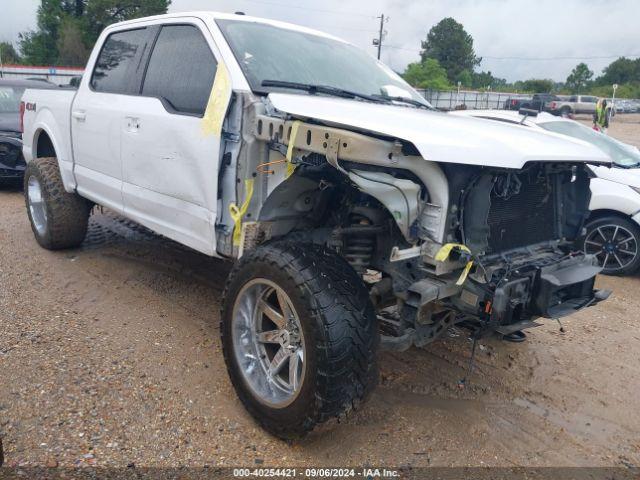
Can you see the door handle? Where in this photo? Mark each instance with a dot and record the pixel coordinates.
(79, 115)
(133, 124)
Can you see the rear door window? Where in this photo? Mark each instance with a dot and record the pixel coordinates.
(117, 61)
(181, 70)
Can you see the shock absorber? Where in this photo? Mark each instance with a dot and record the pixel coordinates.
(359, 242)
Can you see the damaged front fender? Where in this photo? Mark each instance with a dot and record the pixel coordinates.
(339, 145)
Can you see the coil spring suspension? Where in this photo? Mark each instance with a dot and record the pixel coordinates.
(359, 246)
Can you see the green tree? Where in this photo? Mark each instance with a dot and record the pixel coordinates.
(483, 80)
(465, 77)
(8, 53)
(537, 85)
(102, 13)
(36, 48)
(68, 29)
(40, 47)
(579, 78)
(71, 47)
(625, 90)
(622, 70)
(427, 74)
(451, 46)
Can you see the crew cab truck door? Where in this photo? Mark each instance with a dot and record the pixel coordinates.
(169, 162)
(96, 114)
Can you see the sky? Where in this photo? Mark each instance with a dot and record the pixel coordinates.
(518, 39)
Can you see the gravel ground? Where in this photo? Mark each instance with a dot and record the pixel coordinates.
(110, 356)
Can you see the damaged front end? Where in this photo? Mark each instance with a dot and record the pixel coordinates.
(514, 230)
(437, 243)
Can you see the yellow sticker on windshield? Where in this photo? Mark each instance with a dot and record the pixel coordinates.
(218, 102)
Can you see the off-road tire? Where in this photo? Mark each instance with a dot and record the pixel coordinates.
(626, 224)
(340, 330)
(67, 213)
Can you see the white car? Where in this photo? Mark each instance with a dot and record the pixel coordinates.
(356, 215)
(613, 228)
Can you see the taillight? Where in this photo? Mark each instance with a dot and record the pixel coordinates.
(553, 105)
(514, 102)
(22, 117)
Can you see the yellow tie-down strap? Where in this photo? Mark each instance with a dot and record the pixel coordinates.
(292, 142)
(443, 256)
(238, 213)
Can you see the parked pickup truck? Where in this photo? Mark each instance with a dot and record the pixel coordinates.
(356, 215)
(539, 102)
(11, 163)
(575, 104)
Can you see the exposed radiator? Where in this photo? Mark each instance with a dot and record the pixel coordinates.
(522, 218)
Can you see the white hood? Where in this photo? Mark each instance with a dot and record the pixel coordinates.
(625, 176)
(441, 137)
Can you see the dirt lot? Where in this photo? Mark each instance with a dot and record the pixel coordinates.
(109, 355)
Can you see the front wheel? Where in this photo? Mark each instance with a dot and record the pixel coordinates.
(566, 112)
(299, 336)
(614, 241)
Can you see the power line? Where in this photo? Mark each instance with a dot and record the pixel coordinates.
(380, 35)
(341, 27)
(382, 18)
(559, 58)
(402, 48)
(596, 57)
(336, 12)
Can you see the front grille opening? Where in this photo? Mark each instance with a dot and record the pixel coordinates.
(525, 217)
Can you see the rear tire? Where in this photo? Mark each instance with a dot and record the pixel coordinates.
(59, 219)
(615, 240)
(566, 112)
(330, 324)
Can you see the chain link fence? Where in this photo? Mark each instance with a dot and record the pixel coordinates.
(57, 75)
(475, 100)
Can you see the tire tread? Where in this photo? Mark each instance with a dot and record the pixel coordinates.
(67, 213)
(347, 343)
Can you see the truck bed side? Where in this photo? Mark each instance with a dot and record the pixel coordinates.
(47, 129)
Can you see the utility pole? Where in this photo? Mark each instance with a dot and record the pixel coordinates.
(378, 41)
(380, 35)
(613, 101)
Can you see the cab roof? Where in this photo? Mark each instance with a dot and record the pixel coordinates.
(212, 15)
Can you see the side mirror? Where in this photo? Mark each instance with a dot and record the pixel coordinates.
(528, 112)
(395, 91)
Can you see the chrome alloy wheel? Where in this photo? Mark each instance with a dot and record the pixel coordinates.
(37, 206)
(268, 342)
(614, 246)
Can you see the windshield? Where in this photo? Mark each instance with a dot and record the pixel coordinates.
(621, 154)
(10, 99)
(266, 52)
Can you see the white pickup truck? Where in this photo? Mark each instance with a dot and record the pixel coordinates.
(573, 105)
(359, 217)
